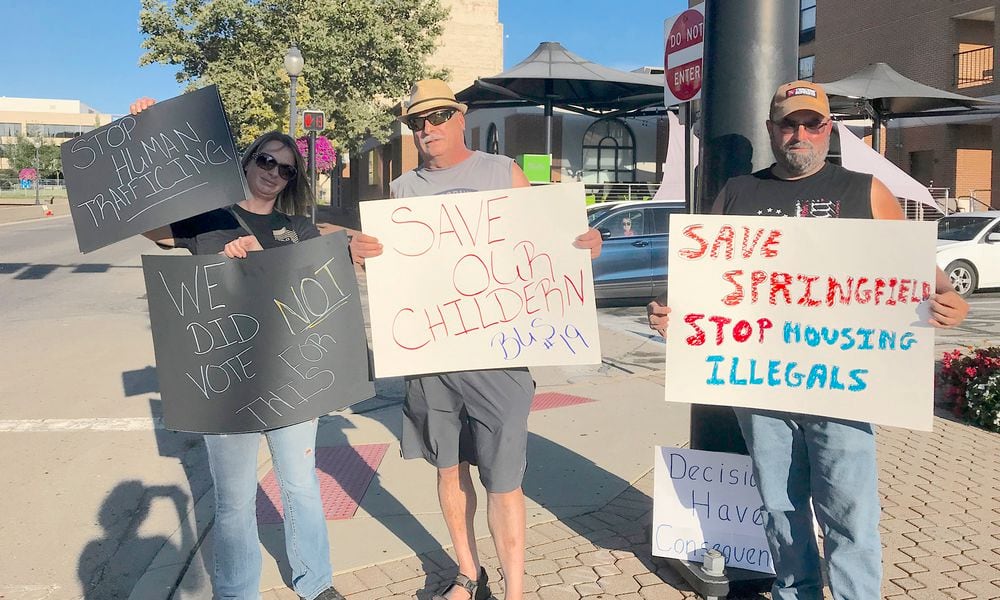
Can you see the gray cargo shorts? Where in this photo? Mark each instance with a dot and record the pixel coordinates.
(479, 417)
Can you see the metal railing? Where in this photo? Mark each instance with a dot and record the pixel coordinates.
(616, 192)
(974, 67)
(982, 199)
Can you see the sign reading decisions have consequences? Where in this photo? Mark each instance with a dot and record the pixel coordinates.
(252, 344)
(173, 160)
(481, 280)
(708, 500)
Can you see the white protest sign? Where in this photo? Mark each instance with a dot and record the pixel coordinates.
(704, 500)
(818, 316)
(481, 280)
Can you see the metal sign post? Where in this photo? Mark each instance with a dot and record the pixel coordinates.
(313, 121)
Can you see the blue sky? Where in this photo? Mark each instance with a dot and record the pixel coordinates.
(90, 50)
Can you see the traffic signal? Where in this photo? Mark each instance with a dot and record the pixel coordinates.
(313, 120)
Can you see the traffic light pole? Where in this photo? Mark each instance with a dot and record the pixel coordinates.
(312, 172)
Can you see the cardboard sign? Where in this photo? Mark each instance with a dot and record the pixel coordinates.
(252, 344)
(704, 500)
(481, 280)
(818, 316)
(173, 160)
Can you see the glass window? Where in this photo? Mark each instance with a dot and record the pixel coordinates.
(373, 177)
(492, 139)
(961, 229)
(608, 152)
(807, 15)
(56, 131)
(807, 66)
(626, 223)
(658, 220)
(10, 129)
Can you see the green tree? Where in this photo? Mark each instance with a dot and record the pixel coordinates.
(21, 155)
(360, 55)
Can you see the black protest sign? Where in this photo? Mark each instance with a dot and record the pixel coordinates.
(173, 160)
(252, 344)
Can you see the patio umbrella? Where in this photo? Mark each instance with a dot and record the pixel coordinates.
(553, 76)
(879, 92)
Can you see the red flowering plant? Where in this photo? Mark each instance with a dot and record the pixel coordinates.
(970, 381)
(326, 156)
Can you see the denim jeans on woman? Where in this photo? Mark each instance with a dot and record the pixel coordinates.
(832, 462)
(233, 460)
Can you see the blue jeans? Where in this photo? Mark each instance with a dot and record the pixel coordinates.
(233, 460)
(797, 457)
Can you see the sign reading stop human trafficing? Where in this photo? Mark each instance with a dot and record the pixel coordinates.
(683, 50)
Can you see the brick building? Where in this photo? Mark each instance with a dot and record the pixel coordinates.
(945, 44)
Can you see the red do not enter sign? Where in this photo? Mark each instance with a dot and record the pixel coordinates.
(682, 56)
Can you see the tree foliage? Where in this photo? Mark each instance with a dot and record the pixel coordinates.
(360, 55)
(21, 155)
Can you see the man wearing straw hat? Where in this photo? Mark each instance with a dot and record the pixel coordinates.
(454, 420)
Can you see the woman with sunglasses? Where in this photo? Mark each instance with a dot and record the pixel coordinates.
(272, 215)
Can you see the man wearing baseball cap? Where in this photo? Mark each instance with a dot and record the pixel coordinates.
(804, 462)
(454, 420)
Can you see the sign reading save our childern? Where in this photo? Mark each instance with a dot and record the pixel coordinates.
(173, 160)
(818, 316)
(481, 280)
(253, 344)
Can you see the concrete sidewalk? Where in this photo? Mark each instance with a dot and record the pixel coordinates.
(589, 490)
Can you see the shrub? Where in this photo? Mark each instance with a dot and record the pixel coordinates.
(971, 382)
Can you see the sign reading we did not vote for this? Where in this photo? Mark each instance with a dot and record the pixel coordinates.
(481, 280)
(274, 339)
(818, 316)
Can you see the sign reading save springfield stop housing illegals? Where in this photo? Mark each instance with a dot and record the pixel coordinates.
(818, 316)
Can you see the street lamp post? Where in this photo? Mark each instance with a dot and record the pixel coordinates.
(293, 66)
(38, 171)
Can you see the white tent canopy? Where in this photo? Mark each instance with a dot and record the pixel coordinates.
(854, 155)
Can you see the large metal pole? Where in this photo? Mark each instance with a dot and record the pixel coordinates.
(291, 106)
(750, 49)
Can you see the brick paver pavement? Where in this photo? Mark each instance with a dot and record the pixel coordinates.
(940, 528)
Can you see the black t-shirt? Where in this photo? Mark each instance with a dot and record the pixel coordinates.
(208, 233)
(831, 192)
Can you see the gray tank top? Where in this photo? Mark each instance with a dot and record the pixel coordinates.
(479, 172)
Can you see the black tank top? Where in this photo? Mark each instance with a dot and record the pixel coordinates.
(831, 192)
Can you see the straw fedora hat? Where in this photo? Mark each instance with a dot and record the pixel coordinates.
(428, 94)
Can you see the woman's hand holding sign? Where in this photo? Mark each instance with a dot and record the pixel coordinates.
(239, 247)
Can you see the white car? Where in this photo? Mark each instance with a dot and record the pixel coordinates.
(968, 250)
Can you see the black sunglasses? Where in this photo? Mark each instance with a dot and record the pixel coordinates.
(268, 163)
(789, 126)
(438, 117)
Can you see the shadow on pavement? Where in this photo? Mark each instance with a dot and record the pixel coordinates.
(110, 566)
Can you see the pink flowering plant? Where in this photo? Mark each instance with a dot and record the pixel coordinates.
(326, 156)
(971, 383)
